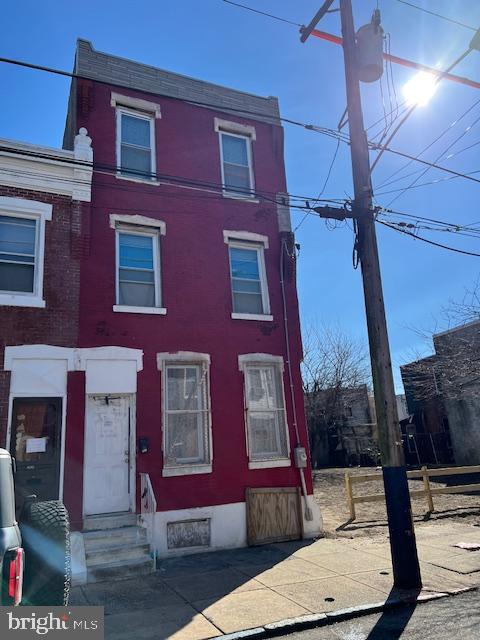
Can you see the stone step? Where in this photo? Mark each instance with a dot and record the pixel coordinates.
(109, 521)
(122, 553)
(104, 538)
(119, 570)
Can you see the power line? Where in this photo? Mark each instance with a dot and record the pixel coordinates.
(439, 137)
(414, 182)
(327, 178)
(438, 15)
(435, 244)
(167, 179)
(414, 106)
(263, 13)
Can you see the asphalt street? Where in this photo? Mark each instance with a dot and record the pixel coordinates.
(455, 617)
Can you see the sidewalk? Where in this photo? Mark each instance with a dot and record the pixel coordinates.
(212, 594)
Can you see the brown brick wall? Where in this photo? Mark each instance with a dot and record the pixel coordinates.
(57, 323)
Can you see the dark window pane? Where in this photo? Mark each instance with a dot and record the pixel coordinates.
(136, 295)
(17, 235)
(247, 303)
(136, 251)
(246, 286)
(16, 277)
(136, 161)
(135, 131)
(136, 275)
(236, 177)
(244, 263)
(234, 150)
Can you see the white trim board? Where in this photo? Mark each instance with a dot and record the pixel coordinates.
(44, 168)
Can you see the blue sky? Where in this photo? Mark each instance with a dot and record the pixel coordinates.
(220, 43)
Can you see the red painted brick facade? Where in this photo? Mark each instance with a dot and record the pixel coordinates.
(195, 287)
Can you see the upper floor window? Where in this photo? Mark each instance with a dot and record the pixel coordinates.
(236, 158)
(22, 239)
(135, 144)
(248, 278)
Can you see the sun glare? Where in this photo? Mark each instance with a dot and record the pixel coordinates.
(420, 89)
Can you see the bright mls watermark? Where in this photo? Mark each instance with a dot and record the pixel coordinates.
(25, 623)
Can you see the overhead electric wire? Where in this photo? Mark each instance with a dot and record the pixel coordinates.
(327, 178)
(439, 137)
(414, 106)
(436, 244)
(438, 15)
(263, 13)
(425, 171)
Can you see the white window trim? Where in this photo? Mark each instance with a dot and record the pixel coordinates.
(117, 219)
(264, 359)
(137, 104)
(247, 133)
(153, 159)
(155, 235)
(40, 212)
(186, 357)
(243, 240)
(245, 236)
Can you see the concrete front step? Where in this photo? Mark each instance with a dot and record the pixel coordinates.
(119, 570)
(114, 537)
(122, 553)
(109, 521)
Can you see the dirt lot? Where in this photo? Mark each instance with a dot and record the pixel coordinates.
(329, 489)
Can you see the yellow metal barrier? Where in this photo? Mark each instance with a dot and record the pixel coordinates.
(428, 492)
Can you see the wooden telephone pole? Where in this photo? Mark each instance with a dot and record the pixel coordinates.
(406, 569)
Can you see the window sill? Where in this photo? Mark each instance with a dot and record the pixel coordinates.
(239, 196)
(159, 311)
(269, 464)
(252, 316)
(15, 300)
(187, 470)
(121, 176)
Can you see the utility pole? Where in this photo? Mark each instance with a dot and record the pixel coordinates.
(406, 569)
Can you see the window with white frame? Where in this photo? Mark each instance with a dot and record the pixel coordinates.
(248, 278)
(237, 170)
(138, 268)
(18, 241)
(135, 144)
(267, 433)
(22, 240)
(187, 419)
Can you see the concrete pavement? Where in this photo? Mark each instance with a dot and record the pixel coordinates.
(212, 594)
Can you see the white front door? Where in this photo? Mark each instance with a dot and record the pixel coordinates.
(106, 477)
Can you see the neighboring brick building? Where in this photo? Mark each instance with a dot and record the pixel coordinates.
(44, 196)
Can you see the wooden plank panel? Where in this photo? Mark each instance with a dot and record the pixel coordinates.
(273, 515)
(465, 488)
(453, 471)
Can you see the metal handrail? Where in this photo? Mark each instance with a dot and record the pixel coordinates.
(148, 510)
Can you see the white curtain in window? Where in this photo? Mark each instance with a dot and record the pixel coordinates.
(265, 413)
(186, 415)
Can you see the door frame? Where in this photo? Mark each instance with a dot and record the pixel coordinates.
(132, 397)
(63, 398)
